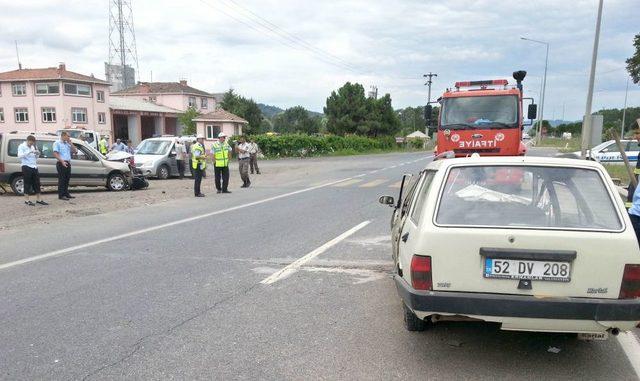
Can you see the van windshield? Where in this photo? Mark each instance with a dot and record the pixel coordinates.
(154, 147)
(527, 196)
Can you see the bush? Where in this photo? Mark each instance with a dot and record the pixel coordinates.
(296, 145)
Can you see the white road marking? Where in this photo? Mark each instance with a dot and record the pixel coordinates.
(629, 343)
(294, 266)
(373, 183)
(161, 226)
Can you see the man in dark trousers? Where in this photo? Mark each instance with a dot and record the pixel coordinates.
(198, 164)
(62, 150)
(221, 151)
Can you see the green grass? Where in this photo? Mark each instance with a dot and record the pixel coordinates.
(570, 145)
(619, 172)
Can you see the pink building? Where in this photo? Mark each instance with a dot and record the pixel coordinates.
(45, 100)
(211, 124)
(175, 95)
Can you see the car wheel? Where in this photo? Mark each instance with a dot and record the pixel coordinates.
(116, 182)
(163, 172)
(17, 185)
(411, 321)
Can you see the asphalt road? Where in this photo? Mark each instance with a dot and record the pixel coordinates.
(176, 291)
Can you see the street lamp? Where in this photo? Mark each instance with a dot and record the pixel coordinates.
(544, 85)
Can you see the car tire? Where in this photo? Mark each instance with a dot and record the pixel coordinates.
(163, 172)
(117, 182)
(17, 185)
(411, 322)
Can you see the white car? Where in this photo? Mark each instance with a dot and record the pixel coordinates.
(609, 153)
(532, 243)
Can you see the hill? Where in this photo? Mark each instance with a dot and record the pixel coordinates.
(270, 111)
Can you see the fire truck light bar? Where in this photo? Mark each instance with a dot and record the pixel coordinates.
(500, 82)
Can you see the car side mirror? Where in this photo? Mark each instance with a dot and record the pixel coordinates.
(532, 111)
(387, 200)
(173, 154)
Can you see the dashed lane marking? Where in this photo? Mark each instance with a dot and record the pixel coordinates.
(347, 183)
(396, 185)
(294, 266)
(373, 183)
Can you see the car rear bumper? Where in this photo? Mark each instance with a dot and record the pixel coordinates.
(518, 306)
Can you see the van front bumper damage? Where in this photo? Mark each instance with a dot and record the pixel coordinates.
(509, 309)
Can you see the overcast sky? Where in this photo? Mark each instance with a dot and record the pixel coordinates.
(315, 46)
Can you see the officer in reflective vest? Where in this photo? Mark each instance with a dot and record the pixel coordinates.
(198, 164)
(221, 151)
(103, 145)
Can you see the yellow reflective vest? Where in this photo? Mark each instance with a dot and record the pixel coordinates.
(103, 146)
(221, 153)
(200, 159)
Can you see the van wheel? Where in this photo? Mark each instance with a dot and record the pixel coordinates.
(116, 182)
(17, 185)
(163, 172)
(411, 321)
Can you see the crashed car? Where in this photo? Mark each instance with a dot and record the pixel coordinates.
(530, 243)
(138, 179)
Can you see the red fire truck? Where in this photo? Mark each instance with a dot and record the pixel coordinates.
(484, 117)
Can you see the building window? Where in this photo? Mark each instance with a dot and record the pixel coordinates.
(192, 101)
(79, 115)
(204, 103)
(213, 131)
(1, 115)
(48, 115)
(22, 115)
(77, 89)
(102, 118)
(47, 88)
(19, 89)
(236, 129)
(100, 95)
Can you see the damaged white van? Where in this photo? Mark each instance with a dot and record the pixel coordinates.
(535, 244)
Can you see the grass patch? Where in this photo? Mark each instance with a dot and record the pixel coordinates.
(570, 145)
(618, 171)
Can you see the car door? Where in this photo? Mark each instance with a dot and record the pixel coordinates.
(402, 213)
(633, 148)
(47, 162)
(609, 154)
(86, 168)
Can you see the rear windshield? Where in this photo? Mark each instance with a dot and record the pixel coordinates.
(527, 196)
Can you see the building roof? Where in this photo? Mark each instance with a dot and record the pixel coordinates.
(132, 104)
(49, 73)
(162, 88)
(220, 115)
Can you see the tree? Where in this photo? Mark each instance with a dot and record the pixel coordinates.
(382, 120)
(633, 62)
(346, 110)
(186, 119)
(296, 120)
(245, 108)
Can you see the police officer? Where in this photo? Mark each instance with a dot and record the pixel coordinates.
(221, 151)
(198, 164)
(62, 151)
(103, 145)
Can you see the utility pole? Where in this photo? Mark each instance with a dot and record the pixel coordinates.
(20, 65)
(429, 82)
(586, 126)
(624, 111)
(543, 88)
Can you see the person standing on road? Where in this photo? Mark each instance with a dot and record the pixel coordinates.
(62, 150)
(221, 151)
(253, 159)
(244, 155)
(181, 153)
(199, 164)
(631, 189)
(103, 145)
(28, 154)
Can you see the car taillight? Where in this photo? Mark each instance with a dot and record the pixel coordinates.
(421, 273)
(630, 287)
(1, 167)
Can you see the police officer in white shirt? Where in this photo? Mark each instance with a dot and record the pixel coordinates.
(244, 155)
(28, 154)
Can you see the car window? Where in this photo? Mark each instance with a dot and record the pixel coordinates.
(82, 154)
(633, 146)
(613, 147)
(527, 196)
(44, 146)
(406, 202)
(422, 195)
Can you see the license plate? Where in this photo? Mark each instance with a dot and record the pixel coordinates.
(600, 336)
(525, 269)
